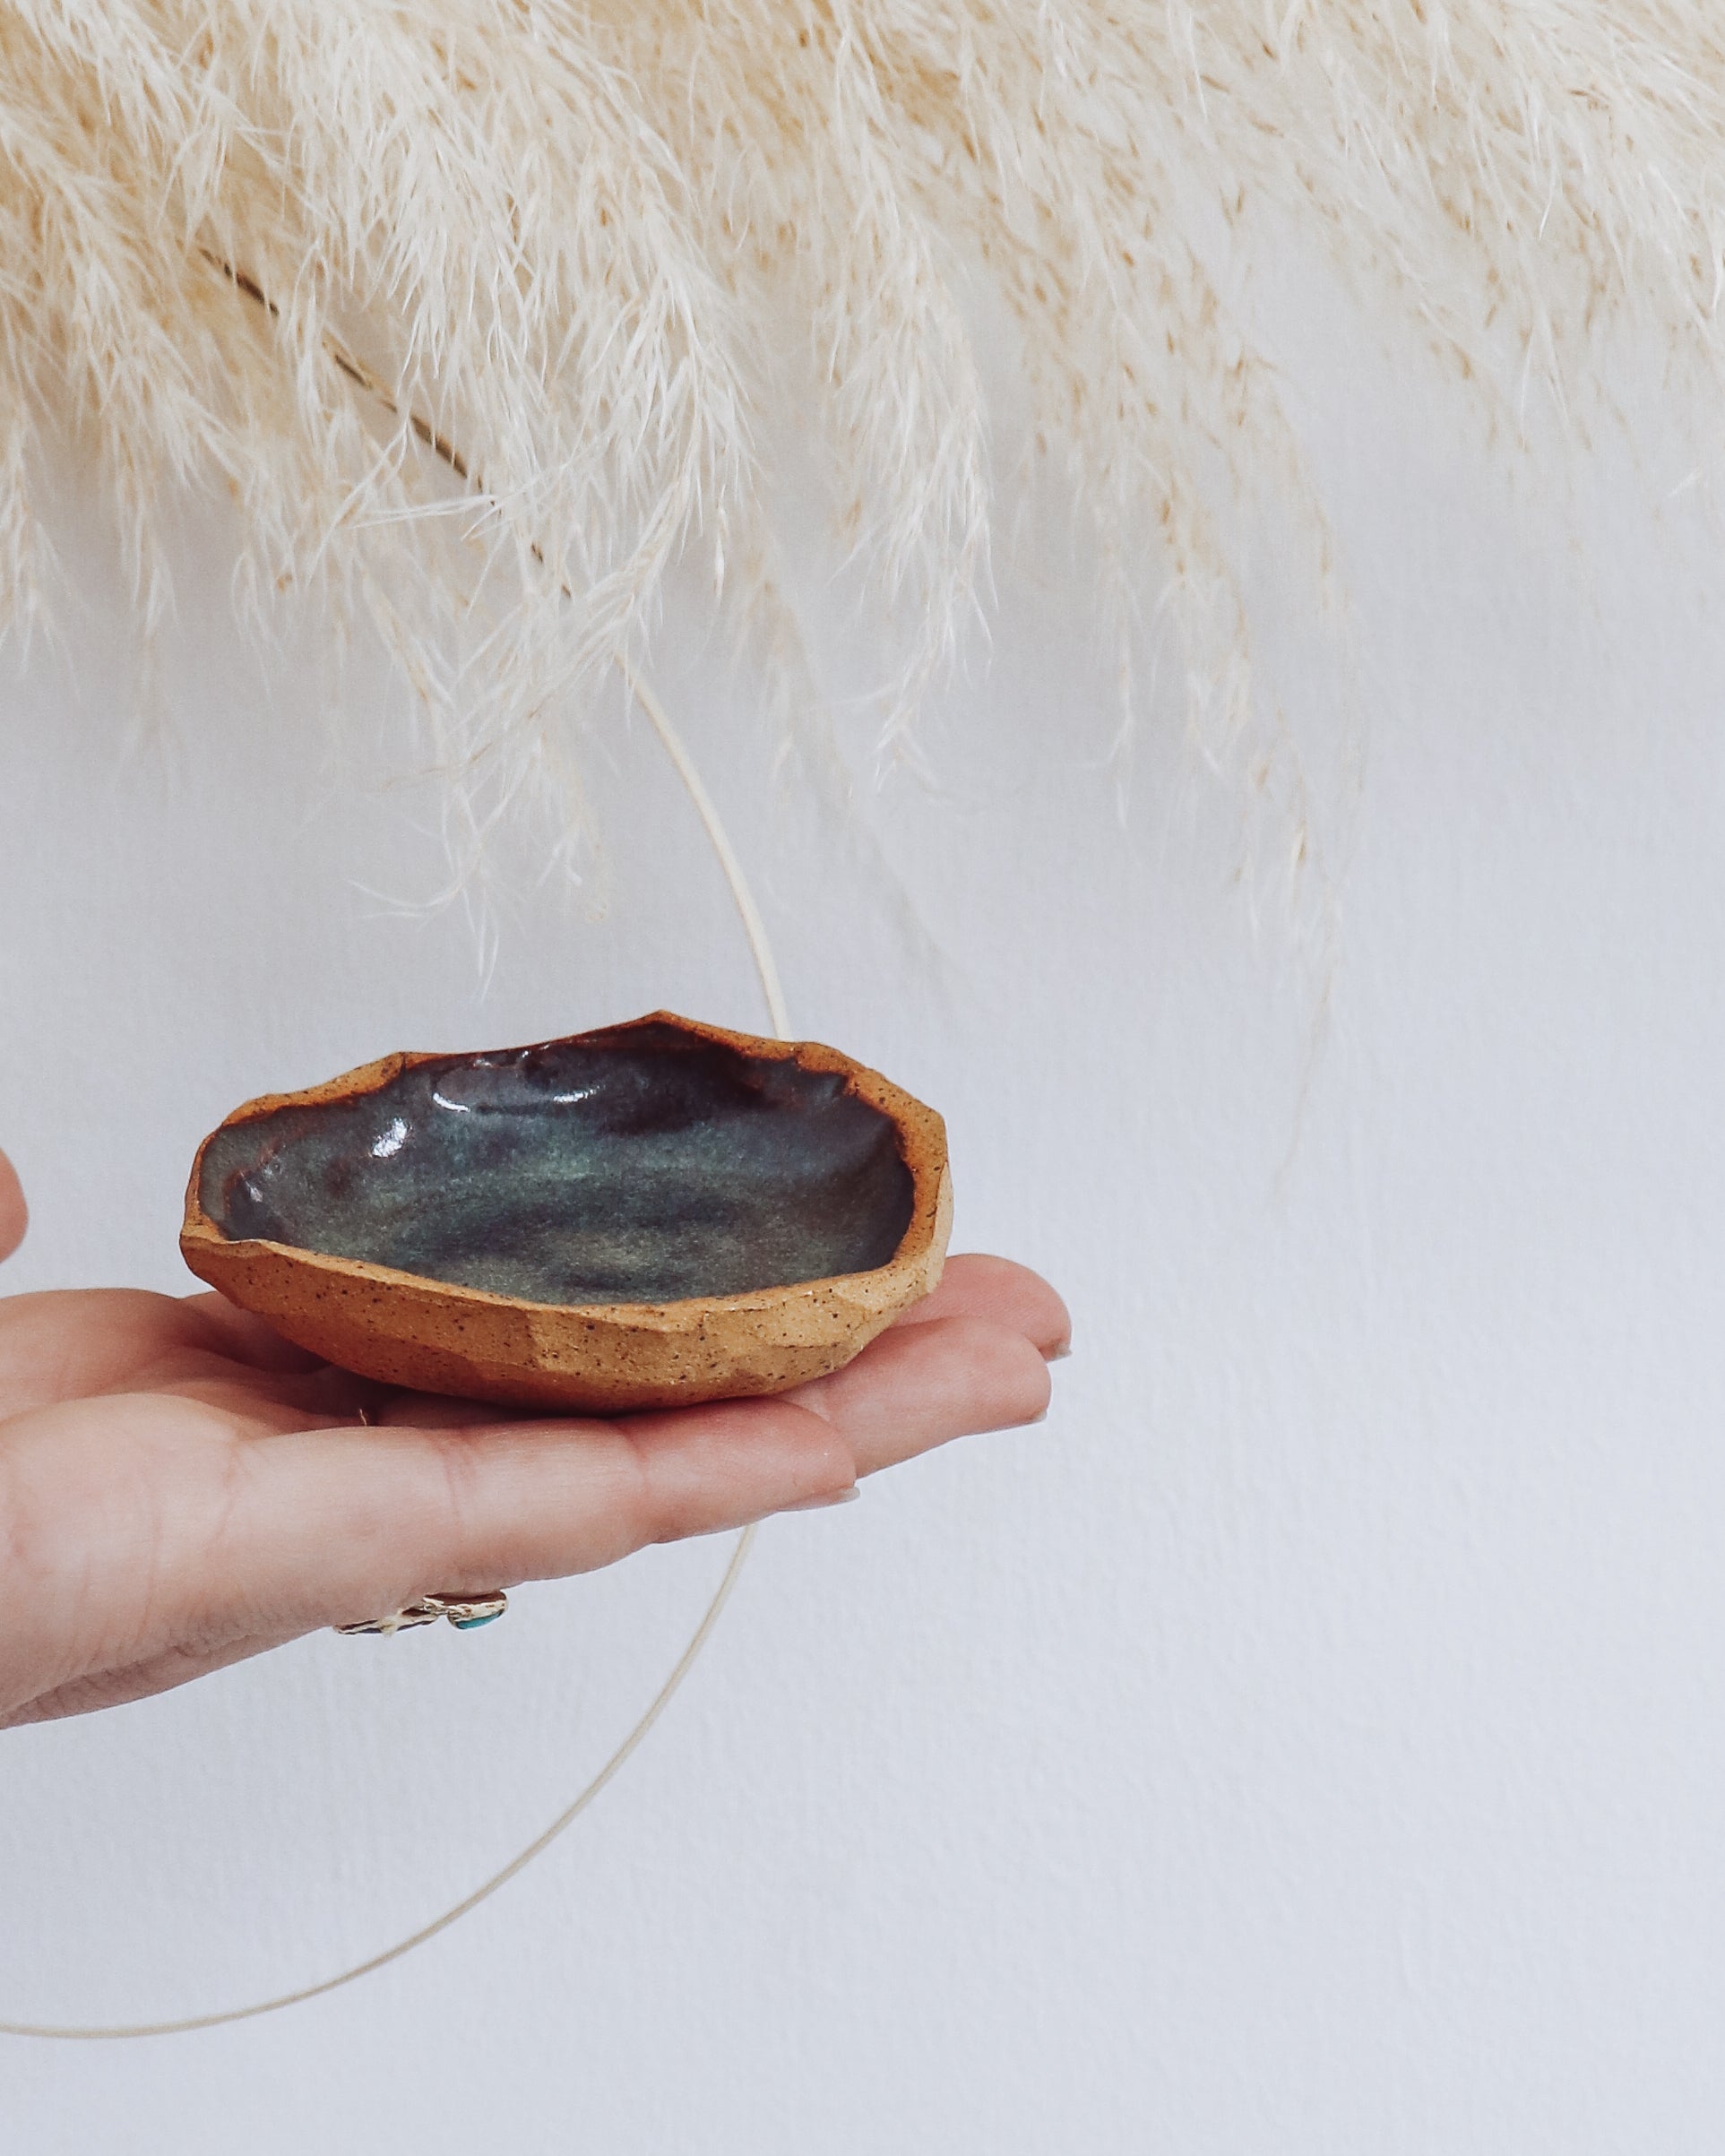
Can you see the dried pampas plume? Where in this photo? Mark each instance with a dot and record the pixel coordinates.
(485, 310)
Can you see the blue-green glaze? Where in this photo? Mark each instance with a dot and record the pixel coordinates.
(646, 1165)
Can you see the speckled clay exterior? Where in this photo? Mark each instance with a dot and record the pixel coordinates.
(402, 1328)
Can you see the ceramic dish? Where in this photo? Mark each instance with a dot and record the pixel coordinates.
(646, 1216)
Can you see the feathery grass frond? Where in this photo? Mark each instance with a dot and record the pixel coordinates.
(598, 249)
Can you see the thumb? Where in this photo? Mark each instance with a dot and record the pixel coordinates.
(15, 1214)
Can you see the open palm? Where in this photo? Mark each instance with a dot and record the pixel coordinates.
(180, 1489)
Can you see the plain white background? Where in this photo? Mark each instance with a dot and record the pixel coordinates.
(1313, 1737)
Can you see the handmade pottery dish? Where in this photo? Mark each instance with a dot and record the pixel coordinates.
(646, 1216)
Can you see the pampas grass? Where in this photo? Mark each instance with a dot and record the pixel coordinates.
(487, 312)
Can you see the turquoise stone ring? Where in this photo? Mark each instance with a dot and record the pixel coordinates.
(466, 1613)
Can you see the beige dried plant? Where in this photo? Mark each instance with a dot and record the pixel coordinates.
(593, 254)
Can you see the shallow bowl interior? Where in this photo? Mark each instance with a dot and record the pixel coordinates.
(645, 1167)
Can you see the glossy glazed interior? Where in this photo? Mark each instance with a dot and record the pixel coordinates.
(644, 1166)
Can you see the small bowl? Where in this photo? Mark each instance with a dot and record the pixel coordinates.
(646, 1216)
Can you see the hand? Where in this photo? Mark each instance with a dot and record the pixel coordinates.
(180, 1489)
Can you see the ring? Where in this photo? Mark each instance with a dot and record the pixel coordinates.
(466, 1613)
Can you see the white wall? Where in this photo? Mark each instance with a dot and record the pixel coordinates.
(1312, 1738)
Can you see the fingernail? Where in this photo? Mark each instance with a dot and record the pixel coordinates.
(819, 1505)
(1060, 1354)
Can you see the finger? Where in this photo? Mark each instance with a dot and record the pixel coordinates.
(15, 1214)
(1005, 1294)
(918, 1386)
(337, 1526)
